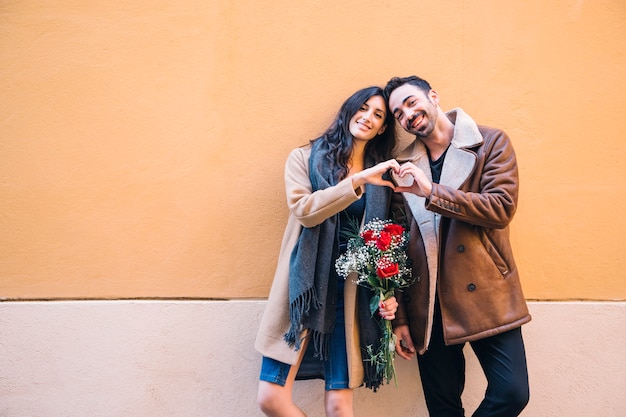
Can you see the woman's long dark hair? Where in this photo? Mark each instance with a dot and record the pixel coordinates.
(341, 141)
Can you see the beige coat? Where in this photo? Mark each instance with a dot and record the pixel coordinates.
(306, 209)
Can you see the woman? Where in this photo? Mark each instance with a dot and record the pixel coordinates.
(311, 313)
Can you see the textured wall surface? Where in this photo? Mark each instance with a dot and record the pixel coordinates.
(143, 143)
(186, 359)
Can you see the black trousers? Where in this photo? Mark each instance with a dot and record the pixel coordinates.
(503, 360)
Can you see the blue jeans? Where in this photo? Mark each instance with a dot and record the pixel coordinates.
(334, 370)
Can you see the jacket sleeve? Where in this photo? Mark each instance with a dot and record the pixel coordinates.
(492, 201)
(308, 207)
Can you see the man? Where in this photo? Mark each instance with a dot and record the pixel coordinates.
(460, 185)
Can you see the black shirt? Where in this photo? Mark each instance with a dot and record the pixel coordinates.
(436, 166)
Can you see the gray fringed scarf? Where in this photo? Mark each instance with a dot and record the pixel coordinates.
(310, 290)
(312, 287)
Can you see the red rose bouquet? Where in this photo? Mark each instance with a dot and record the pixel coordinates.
(378, 256)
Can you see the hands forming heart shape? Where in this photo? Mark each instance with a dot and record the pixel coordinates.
(405, 178)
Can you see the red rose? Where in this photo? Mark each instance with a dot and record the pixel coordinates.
(384, 240)
(368, 236)
(387, 270)
(394, 229)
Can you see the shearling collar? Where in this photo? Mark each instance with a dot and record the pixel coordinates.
(466, 132)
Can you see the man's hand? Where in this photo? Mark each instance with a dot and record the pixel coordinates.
(404, 347)
(421, 185)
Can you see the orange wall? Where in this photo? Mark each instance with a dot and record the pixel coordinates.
(142, 143)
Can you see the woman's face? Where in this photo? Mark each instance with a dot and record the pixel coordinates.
(369, 121)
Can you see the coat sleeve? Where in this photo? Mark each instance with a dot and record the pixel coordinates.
(308, 207)
(491, 201)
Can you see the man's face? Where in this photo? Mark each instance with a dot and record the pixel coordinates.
(414, 110)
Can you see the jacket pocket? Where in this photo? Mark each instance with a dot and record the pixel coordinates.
(493, 252)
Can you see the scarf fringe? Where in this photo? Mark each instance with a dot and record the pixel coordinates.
(371, 379)
(297, 309)
(321, 345)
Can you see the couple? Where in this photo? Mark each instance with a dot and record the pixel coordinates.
(457, 194)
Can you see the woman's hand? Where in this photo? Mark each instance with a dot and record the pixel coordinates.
(420, 186)
(387, 309)
(374, 175)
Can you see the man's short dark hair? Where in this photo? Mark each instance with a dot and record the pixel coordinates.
(396, 82)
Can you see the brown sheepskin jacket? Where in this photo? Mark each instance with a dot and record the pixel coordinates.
(459, 239)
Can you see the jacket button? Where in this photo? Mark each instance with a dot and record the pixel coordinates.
(471, 287)
(460, 248)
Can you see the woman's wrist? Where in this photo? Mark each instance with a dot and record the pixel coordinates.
(357, 181)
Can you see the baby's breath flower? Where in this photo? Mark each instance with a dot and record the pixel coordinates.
(377, 254)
